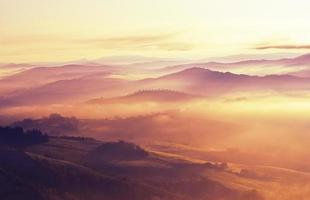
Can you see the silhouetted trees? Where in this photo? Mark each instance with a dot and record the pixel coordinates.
(119, 150)
(17, 137)
(55, 125)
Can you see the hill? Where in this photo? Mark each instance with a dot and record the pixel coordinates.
(190, 84)
(207, 82)
(83, 168)
(80, 168)
(148, 96)
(253, 66)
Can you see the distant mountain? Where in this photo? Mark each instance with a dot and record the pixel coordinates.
(196, 81)
(290, 64)
(76, 83)
(302, 73)
(301, 60)
(66, 91)
(39, 76)
(207, 82)
(148, 96)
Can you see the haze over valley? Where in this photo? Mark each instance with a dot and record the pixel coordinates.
(154, 100)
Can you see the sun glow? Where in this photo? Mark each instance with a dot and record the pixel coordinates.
(42, 30)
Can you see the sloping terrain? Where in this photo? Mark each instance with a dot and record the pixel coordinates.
(80, 168)
(74, 84)
(207, 82)
(160, 96)
(250, 66)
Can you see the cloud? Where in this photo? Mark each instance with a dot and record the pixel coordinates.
(283, 47)
(163, 41)
(134, 39)
(166, 42)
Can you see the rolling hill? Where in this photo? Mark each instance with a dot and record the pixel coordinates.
(294, 64)
(84, 168)
(160, 96)
(73, 84)
(39, 76)
(204, 81)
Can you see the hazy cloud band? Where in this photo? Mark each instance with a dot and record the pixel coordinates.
(283, 47)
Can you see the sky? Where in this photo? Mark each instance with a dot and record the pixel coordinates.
(61, 30)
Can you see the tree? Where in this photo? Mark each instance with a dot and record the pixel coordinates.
(17, 137)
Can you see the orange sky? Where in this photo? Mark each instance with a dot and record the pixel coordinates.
(57, 30)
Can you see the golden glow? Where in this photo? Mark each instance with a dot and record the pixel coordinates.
(49, 30)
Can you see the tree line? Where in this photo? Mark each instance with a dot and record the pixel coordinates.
(18, 137)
